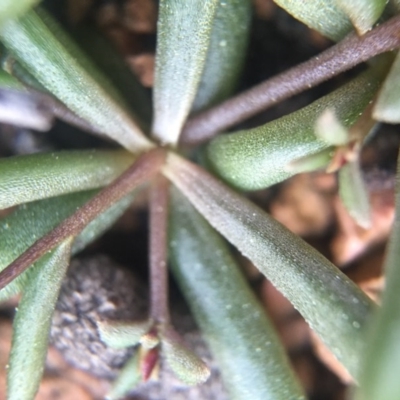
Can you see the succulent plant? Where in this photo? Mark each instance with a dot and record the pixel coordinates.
(65, 200)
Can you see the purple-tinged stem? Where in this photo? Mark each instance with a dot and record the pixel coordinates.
(159, 311)
(341, 57)
(144, 168)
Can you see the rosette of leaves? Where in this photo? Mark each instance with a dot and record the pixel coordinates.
(66, 199)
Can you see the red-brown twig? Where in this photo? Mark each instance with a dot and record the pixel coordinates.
(343, 56)
(159, 311)
(145, 167)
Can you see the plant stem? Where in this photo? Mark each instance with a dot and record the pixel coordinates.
(341, 57)
(159, 311)
(141, 170)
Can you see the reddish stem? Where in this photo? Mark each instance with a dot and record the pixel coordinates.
(346, 54)
(158, 250)
(146, 166)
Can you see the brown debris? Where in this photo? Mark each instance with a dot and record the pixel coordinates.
(143, 67)
(140, 16)
(351, 241)
(330, 360)
(303, 205)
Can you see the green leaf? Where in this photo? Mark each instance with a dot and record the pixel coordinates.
(311, 163)
(101, 223)
(363, 13)
(226, 53)
(112, 64)
(252, 362)
(46, 51)
(379, 378)
(257, 158)
(11, 9)
(322, 15)
(23, 109)
(19, 230)
(33, 177)
(335, 308)
(128, 378)
(187, 367)
(119, 334)
(330, 130)
(7, 81)
(32, 324)
(184, 33)
(354, 194)
(387, 107)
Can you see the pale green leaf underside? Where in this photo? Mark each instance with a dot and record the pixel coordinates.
(23, 109)
(354, 194)
(226, 53)
(330, 130)
(258, 158)
(33, 177)
(387, 107)
(311, 163)
(118, 335)
(362, 13)
(7, 81)
(335, 308)
(186, 365)
(128, 378)
(322, 15)
(14, 8)
(46, 51)
(32, 324)
(251, 359)
(28, 223)
(20, 107)
(379, 378)
(184, 32)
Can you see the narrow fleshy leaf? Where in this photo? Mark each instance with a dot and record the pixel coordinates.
(7, 81)
(23, 109)
(46, 51)
(37, 176)
(109, 60)
(324, 16)
(311, 163)
(11, 9)
(119, 334)
(329, 129)
(225, 55)
(19, 230)
(32, 324)
(128, 378)
(387, 106)
(354, 194)
(379, 377)
(144, 168)
(188, 367)
(184, 33)
(362, 13)
(243, 341)
(257, 158)
(101, 223)
(335, 308)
